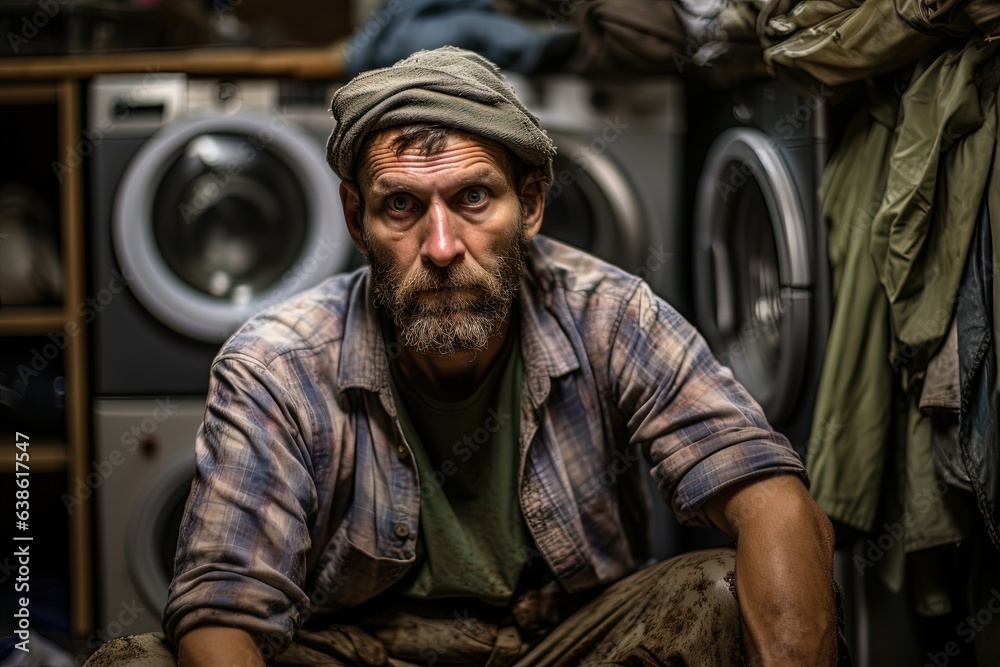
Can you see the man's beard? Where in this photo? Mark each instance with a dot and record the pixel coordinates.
(460, 321)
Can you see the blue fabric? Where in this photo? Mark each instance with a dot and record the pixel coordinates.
(402, 27)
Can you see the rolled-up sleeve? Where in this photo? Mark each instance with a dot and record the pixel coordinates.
(703, 431)
(242, 548)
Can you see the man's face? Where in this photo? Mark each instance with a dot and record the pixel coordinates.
(444, 239)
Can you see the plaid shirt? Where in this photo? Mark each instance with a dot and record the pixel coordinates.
(307, 489)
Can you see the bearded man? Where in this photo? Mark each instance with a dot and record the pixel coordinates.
(410, 464)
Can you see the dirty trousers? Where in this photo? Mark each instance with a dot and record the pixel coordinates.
(682, 611)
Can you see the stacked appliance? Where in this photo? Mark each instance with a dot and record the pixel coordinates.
(212, 200)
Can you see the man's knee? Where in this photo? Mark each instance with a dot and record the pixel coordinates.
(148, 650)
(711, 572)
(701, 585)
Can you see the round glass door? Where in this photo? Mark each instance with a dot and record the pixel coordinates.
(151, 539)
(230, 235)
(752, 274)
(217, 218)
(591, 205)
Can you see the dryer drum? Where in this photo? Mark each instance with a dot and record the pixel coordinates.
(213, 213)
(752, 272)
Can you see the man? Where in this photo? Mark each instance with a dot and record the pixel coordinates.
(409, 464)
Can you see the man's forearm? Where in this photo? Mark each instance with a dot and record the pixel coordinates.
(213, 645)
(784, 571)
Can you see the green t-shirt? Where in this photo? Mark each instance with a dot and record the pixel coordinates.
(472, 539)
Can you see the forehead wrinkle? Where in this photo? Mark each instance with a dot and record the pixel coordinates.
(457, 148)
(391, 183)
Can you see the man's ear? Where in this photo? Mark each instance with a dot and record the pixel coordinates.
(533, 202)
(350, 199)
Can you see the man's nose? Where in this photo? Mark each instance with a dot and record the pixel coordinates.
(442, 245)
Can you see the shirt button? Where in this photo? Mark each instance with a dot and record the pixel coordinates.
(402, 530)
(403, 454)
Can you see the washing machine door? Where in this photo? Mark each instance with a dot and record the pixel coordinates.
(592, 206)
(219, 217)
(151, 537)
(753, 279)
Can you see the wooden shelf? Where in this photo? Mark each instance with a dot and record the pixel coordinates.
(326, 62)
(31, 320)
(28, 94)
(45, 457)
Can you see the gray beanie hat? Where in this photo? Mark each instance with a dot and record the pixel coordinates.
(447, 86)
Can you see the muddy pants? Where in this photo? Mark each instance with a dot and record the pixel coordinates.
(682, 611)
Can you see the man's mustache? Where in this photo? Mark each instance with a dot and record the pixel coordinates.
(431, 281)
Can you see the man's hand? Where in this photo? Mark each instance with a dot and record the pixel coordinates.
(215, 645)
(784, 570)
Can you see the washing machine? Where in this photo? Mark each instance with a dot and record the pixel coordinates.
(761, 271)
(617, 188)
(211, 200)
(144, 448)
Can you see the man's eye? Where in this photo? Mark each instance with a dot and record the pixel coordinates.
(475, 196)
(399, 203)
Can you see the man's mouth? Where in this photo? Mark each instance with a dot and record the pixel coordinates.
(444, 292)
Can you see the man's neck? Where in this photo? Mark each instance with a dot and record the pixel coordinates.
(455, 376)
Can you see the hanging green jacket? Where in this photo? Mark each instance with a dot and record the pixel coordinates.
(901, 196)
